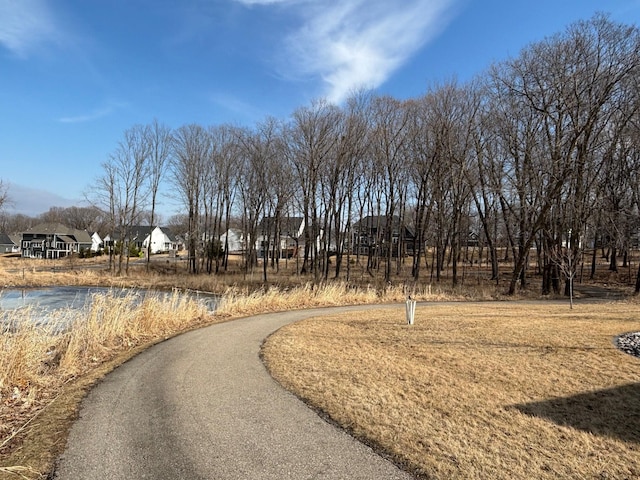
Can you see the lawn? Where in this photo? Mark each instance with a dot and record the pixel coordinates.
(476, 390)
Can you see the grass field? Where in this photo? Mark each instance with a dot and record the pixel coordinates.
(482, 390)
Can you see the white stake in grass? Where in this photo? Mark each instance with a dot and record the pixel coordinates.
(411, 310)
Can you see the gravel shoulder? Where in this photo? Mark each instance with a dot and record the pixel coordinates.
(203, 406)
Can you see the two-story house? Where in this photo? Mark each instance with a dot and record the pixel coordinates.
(53, 240)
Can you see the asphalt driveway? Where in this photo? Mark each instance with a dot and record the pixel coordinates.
(203, 406)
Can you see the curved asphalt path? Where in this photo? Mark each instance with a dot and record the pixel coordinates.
(202, 406)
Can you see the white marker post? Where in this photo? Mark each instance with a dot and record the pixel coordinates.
(411, 310)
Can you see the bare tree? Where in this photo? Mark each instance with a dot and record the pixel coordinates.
(120, 188)
(228, 170)
(341, 184)
(312, 140)
(15, 223)
(159, 140)
(567, 257)
(390, 121)
(259, 189)
(553, 103)
(484, 175)
(190, 153)
(4, 194)
(89, 218)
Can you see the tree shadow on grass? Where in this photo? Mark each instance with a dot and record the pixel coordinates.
(613, 412)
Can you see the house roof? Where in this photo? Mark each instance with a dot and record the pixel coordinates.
(49, 227)
(371, 221)
(6, 239)
(288, 225)
(141, 232)
(380, 221)
(80, 236)
(170, 235)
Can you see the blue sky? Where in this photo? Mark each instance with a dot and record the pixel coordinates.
(75, 74)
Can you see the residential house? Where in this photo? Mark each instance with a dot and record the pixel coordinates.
(370, 235)
(53, 240)
(96, 242)
(286, 241)
(9, 244)
(235, 238)
(161, 238)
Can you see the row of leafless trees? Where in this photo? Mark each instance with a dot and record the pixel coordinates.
(537, 158)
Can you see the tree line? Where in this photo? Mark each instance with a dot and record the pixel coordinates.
(536, 158)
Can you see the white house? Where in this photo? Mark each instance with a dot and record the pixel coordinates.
(162, 240)
(289, 242)
(96, 242)
(236, 240)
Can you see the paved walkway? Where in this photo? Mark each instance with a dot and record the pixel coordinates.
(202, 406)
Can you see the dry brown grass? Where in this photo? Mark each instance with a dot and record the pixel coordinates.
(243, 301)
(37, 362)
(482, 391)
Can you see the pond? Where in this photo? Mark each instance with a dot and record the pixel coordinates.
(43, 301)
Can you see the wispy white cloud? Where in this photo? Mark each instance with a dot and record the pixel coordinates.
(27, 24)
(94, 114)
(358, 43)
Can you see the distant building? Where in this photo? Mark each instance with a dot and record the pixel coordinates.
(235, 239)
(9, 244)
(286, 242)
(96, 242)
(370, 234)
(161, 238)
(53, 240)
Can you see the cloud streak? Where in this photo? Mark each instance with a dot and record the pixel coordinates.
(357, 43)
(25, 25)
(93, 115)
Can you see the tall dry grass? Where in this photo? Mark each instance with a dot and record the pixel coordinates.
(242, 301)
(36, 360)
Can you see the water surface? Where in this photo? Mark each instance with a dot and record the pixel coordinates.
(42, 302)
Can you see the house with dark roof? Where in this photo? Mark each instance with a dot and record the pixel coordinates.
(371, 234)
(9, 244)
(53, 240)
(283, 236)
(161, 238)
